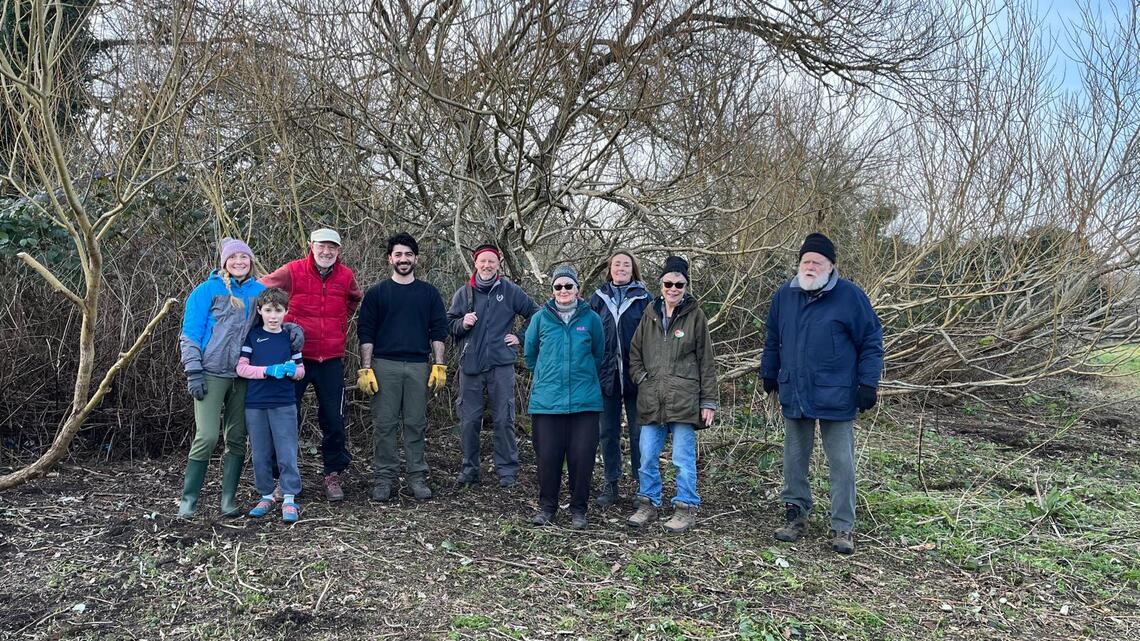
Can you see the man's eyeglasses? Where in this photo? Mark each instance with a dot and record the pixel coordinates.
(668, 284)
(564, 286)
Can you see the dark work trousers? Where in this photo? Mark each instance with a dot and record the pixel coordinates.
(327, 378)
(402, 399)
(609, 429)
(569, 438)
(499, 383)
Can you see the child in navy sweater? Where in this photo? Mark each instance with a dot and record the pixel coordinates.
(271, 364)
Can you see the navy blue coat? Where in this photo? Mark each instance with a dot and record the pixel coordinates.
(821, 346)
(623, 322)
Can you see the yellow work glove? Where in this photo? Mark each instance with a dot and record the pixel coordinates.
(366, 381)
(438, 378)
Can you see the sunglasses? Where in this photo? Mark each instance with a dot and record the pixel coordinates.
(668, 284)
(564, 286)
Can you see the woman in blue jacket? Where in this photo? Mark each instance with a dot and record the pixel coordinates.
(214, 325)
(565, 348)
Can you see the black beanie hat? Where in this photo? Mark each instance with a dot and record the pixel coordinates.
(819, 244)
(676, 264)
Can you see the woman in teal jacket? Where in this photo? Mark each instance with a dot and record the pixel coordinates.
(565, 348)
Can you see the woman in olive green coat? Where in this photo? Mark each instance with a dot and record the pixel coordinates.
(671, 360)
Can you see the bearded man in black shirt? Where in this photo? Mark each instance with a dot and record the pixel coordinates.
(402, 323)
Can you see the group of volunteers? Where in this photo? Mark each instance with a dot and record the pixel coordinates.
(251, 348)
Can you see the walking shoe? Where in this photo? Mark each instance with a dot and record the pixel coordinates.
(381, 492)
(645, 513)
(507, 481)
(289, 512)
(684, 518)
(420, 489)
(333, 491)
(609, 494)
(578, 521)
(795, 524)
(466, 480)
(543, 518)
(262, 508)
(843, 541)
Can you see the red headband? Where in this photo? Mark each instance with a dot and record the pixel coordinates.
(481, 250)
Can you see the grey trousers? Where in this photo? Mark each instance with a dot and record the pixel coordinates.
(839, 445)
(499, 384)
(273, 435)
(403, 394)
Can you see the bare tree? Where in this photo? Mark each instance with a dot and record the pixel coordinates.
(61, 174)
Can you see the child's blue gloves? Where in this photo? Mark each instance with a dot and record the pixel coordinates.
(281, 370)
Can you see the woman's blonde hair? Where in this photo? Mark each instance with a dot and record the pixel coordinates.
(234, 300)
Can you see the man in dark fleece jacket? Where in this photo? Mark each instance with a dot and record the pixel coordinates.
(400, 319)
(824, 355)
(482, 318)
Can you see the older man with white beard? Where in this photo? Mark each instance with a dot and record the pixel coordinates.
(823, 354)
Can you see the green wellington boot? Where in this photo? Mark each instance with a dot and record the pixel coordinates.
(232, 465)
(192, 487)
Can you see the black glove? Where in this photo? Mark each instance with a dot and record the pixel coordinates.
(866, 397)
(196, 384)
(770, 385)
(296, 336)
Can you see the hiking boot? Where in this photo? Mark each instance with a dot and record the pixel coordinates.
(420, 489)
(795, 524)
(333, 491)
(644, 514)
(543, 518)
(609, 494)
(381, 492)
(684, 518)
(843, 541)
(578, 521)
(507, 481)
(290, 513)
(192, 487)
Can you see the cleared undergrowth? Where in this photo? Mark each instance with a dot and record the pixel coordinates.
(1004, 529)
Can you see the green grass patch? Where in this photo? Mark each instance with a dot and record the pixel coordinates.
(1122, 358)
(471, 622)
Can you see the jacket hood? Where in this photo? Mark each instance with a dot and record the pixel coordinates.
(634, 288)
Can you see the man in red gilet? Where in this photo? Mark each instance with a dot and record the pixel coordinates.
(323, 296)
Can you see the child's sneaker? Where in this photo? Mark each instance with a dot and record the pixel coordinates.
(262, 508)
(290, 512)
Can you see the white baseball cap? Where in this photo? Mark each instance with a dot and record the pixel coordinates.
(325, 235)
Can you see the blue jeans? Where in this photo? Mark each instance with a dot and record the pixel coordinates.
(839, 445)
(609, 435)
(273, 435)
(653, 439)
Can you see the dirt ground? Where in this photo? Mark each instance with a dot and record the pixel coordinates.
(94, 551)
